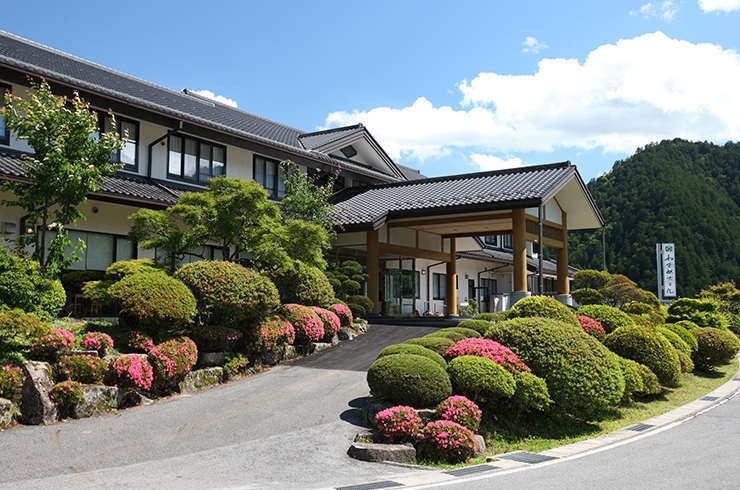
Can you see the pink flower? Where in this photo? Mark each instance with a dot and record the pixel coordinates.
(330, 320)
(592, 327)
(500, 354)
(461, 410)
(344, 314)
(306, 323)
(98, 341)
(133, 371)
(399, 423)
(444, 440)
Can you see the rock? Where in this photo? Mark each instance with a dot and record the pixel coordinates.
(202, 378)
(132, 398)
(36, 406)
(368, 436)
(345, 334)
(8, 412)
(480, 445)
(273, 357)
(375, 407)
(377, 453)
(98, 400)
(211, 359)
(290, 353)
(334, 339)
(318, 346)
(426, 414)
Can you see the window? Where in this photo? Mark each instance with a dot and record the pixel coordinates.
(206, 252)
(101, 249)
(417, 285)
(491, 240)
(4, 131)
(191, 159)
(439, 286)
(129, 155)
(269, 174)
(499, 241)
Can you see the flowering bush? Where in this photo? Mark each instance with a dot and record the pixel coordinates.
(273, 332)
(214, 338)
(171, 361)
(67, 394)
(236, 363)
(461, 410)
(133, 371)
(44, 348)
(98, 341)
(140, 342)
(592, 327)
(307, 325)
(329, 319)
(399, 423)
(11, 379)
(500, 354)
(344, 314)
(446, 441)
(81, 368)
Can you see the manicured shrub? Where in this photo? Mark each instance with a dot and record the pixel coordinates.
(329, 319)
(17, 328)
(82, 368)
(362, 301)
(500, 354)
(99, 341)
(716, 348)
(543, 307)
(171, 361)
(581, 374)
(687, 365)
(444, 333)
(414, 349)
(408, 379)
(344, 314)
(530, 394)
(611, 318)
(132, 371)
(647, 346)
(687, 324)
(399, 423)
(274, 332)
(632, 378)
(492, 316)
(44, 348)
(446, 441)
(304, 284)
(650, 382)
(591, 278)
(469, 333)
(52, 298)
(675, 340)
(703, 312)
(155, 303)
(478, 325)
(66, 395)
(357, 310)
(23, 286)
(592, 327)
(140, 342)
(122, 268)
(685, 335)
(215, 338)
(236, 364)
(307, 325)
(460, 410)
(437, 344)
(228, 294)
(11, 380)
(480, 379)
(587, 296)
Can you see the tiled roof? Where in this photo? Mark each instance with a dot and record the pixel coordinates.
(371, 206)
(311, 141)
(411, 173)
(38, 59)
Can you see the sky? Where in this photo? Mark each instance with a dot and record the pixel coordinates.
(446, 87)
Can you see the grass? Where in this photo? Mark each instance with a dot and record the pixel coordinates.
(542, 434)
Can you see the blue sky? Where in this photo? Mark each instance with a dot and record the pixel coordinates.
(446, 87)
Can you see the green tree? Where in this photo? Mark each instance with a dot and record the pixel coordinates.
(67, 164)
(165, 232)
(306, 199)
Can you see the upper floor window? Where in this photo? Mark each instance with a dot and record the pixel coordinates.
(269, 174)
(499, 241)
(4, 131)
(129, 155)
(196, 160)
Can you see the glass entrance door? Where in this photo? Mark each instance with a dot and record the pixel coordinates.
(399, 288)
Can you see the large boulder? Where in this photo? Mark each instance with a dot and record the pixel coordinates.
(36, 405)
(98, 401)
(377, 453)
(202, 378)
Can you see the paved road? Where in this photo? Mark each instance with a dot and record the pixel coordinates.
(289, 427)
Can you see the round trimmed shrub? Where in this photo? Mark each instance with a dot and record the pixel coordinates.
(22, 285)
(362, 301)
(531, 393)
(304, 284)
(479, 378)
(132, 371)
(437, 344)
(492, 316)
(52, 297)
(687, 324)
(344, 314)
(82, 368)
(587, 296)
(307, 326)
(460, 410)
(274, 332)
(687, 365)
(11, 381)
(329, 319)
(675, 340)
(478, 325)
(500, 354)
(122, 268)
(44, 348)
(685, 335)
(632, 378)
(228, 294)
(416, 350)
(716, 347)
(650, 382)
(171, 361)
(99, 341)
(469, 333)
(408, 379)
(155, 303)
(66, 395)
(17, 328)
(399, 423)
(647, 346)
(543, 307)
(582, 376)
(139, 342)
(215, 338)
(611, 318)
(444, 333)
(446, 441)
(592, 327)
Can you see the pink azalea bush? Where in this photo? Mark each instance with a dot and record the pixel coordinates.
(500, 354)
(592, 327)
(344, 314)
(140, 342)
(82, 368)
(446, 441)
(133, 371)
(273, 332)
(98, 341)
(461, 410)
(399, 423)
(11, 379)
(171, 361)
(329, 319)
(307, 325)
(44, 348)
(66, 394)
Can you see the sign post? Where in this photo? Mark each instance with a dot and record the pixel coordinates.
(666, 258)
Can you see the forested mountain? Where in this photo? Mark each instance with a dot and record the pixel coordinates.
(674, 191)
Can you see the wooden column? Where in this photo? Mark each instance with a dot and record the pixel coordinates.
(520, 250)
(451, 280)
(373, 269)
(561, 255)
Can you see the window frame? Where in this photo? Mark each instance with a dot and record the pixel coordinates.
(5, 133)
(439, 286)
(277, 177)
(116, 155)
(200, 144)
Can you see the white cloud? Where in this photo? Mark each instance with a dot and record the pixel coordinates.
(665, 10)
(218, 98)
(532, 45)
(719, 5)
(492, 162)
(623, 96)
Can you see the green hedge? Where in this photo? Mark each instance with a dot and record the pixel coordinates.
(413, 349)
(303, 284)
(408, 379)
(611, 318)
(685, 335)
(437, 344)
(647, 346)
(544, 307)
(479, 325)
(716, 347)
(480, 379)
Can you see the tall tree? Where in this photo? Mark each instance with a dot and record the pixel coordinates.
(68, 161)
(306, 198)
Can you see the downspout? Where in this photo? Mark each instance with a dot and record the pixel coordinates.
(541, 253)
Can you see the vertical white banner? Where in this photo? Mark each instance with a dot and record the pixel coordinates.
(669, 269)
